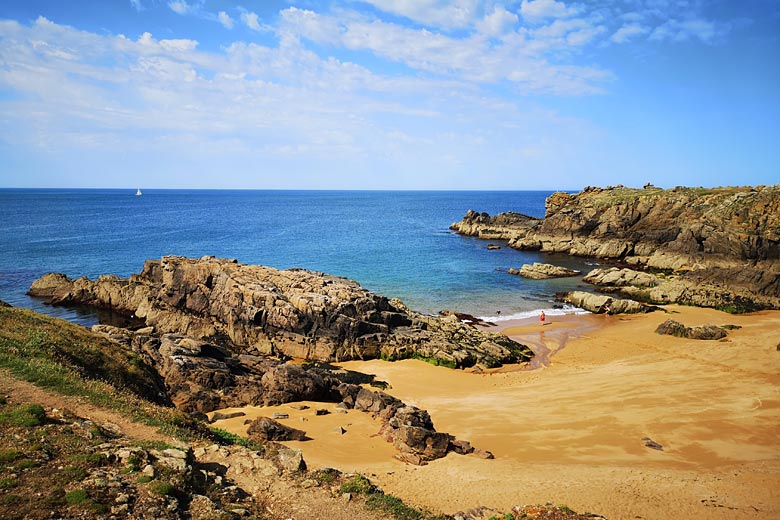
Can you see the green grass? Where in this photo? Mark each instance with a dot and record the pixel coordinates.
(408, 354)
(326, 476)
(379, 501)
(226, 438)
(7, 456)
(161, 488)
(8, 483)
(393, 506)
(77, 496)
(26, 415)
(357, 484)
(69, 360)
(144, 479)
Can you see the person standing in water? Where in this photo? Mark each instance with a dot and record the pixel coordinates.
(542, 317)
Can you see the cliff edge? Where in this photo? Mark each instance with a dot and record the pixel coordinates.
(716, 247)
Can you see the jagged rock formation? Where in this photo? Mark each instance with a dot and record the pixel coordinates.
(408, 428)
(675, 328)
(615, 277)
(601, 304)
(722, 245)
(540, 271)
(691, 289)
(266, 311)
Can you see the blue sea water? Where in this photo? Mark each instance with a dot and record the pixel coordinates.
(393, 242)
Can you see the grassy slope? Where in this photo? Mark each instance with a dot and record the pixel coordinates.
(70, 360)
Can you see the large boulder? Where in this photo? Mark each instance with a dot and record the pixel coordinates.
(601, 304)
(264, 429)
(615, 277)
(289, 383)
(705, 332)
(540, 271)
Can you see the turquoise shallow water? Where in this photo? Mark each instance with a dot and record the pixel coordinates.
(394, 243)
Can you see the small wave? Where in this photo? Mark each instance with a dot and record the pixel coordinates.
(567, 309)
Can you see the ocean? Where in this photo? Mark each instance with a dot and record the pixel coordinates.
(396, 243)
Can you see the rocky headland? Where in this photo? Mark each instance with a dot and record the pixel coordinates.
(715, 247)
(262, 311)
(220, 333)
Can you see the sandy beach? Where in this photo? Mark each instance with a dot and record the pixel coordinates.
(570, 431)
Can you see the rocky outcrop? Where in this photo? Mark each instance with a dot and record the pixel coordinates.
(201, 377)
(540, 271)
(705, 332)
(265, 311)
(722, 244)
(702, 288)
(264, 429)
(615, 277)
(601, 304)
(85, 469)
(408, 428)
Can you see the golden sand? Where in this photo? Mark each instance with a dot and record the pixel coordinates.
(571, 431)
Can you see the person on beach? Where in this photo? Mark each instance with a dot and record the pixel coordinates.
(542, 317)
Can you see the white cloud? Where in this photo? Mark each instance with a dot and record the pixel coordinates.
(186, 7)
(695, 28)
(175, 46)
(499, 22)
(81, 95)
(137, 5)
(251, 20)
(536, 11)
(225, 20)
(627, 32)
(471, 59)
(179, 6)
(447, 14)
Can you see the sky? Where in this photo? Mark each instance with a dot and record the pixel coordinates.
(389, 94)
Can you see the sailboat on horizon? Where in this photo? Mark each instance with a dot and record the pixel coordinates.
(138, 193)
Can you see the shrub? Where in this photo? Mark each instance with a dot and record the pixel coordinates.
(9, 456)
(8, 483)
(162, 488)
(27, 464)
(392, 505)
(357, 484)
(226, 438)
(77, 496)
(72, 473)
(26, 415)
(326, 476)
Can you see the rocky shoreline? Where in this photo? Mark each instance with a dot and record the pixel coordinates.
(220, 333)
(262, 311)
(715, 247)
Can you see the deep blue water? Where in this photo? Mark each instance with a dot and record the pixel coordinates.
(394, 243)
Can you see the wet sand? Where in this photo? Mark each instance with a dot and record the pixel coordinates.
(571, 431)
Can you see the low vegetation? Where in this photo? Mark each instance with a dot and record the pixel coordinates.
(377, 500)
(69, 360)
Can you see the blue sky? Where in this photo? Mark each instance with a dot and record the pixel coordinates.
(389, 94)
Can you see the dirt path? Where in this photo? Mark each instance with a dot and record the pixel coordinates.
(24, 392)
